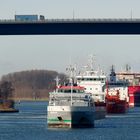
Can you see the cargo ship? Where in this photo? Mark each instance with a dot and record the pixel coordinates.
(70, 107)
(116, 94)
(134, 85)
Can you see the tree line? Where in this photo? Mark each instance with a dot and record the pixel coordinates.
(33, 84)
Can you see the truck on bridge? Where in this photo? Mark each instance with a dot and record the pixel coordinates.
(29, 17)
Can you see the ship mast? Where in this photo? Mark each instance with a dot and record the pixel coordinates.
(71, 70)
(57, 83)
(107, 86)
(113, 75)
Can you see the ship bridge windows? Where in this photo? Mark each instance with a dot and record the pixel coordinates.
(91, 79)
(69, 91)
(118, 84)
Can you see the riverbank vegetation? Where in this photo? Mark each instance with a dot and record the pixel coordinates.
(33, 84)
(6, 90)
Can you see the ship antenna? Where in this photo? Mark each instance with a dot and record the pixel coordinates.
(128, 68)
(57, 83)
(71, 83)
(91, 61)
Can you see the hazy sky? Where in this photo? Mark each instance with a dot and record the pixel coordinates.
(19, 53)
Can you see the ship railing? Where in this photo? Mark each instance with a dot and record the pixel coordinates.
(67, 99)
(65, 96)
(68, 103)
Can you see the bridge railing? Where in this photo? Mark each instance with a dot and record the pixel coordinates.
(87, 20)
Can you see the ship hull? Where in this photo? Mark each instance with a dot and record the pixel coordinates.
(100, 112)
(70, 117)
(134, 96)
(116, 106)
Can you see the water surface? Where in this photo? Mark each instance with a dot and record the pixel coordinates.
(31, 124)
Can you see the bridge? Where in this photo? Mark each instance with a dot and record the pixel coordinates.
(71, 27)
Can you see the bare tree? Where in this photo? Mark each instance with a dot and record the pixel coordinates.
(5, 90)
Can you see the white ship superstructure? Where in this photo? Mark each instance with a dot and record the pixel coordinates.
(117, 85)
(93, 81)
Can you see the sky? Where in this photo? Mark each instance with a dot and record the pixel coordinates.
(18, 53)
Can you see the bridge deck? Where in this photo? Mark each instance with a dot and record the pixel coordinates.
(70, 26)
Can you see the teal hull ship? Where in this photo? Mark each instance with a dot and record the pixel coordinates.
(70, 107)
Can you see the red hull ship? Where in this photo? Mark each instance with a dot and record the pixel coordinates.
(116, 95)
(134, 95)
(134, 85)
(133, 88)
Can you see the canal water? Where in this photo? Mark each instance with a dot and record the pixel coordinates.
(31, 124)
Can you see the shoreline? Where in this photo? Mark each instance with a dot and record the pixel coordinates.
(29, 99)
(9, 110)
